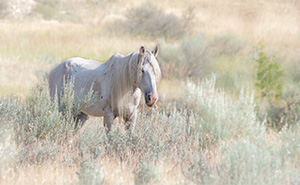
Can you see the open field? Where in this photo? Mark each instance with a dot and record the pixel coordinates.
(211, 124)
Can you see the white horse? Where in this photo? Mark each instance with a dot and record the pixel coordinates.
(118, 84)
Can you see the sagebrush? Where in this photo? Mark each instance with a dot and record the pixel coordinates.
(212, 138)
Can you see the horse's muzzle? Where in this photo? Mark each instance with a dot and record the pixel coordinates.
(151, 99)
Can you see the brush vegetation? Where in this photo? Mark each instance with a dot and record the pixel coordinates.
(216, 140)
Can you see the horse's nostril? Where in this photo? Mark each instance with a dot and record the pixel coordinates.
(149, 97)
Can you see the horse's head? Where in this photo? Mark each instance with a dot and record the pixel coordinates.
(149, 74)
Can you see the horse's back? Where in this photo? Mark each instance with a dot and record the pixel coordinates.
(71, 68)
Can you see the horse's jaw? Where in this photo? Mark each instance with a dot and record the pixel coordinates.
(150, 105)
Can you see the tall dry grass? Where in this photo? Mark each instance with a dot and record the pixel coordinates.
(32, 46)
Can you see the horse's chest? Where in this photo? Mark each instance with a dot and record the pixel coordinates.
(126, 108)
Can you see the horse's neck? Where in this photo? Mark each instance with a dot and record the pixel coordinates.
(121, 83)
(126, 85)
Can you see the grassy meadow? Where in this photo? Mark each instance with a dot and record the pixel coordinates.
(221, 118)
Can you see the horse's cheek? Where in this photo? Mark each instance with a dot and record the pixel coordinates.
(138, 80)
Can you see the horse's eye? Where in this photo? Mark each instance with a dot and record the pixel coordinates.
(142, 70)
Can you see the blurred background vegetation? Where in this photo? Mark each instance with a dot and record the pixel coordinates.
(248, 45)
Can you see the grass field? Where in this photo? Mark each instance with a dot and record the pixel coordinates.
(211, 125)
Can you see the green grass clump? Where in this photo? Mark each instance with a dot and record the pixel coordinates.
(90, 173)
(145, 174)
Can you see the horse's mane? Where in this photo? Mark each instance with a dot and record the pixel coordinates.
(154, 64)
(124, 72)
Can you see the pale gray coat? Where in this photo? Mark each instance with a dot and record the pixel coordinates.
(118, 84)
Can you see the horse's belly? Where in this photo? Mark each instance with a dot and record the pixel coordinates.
(96, 110)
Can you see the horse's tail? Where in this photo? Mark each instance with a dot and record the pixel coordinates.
(57, 77)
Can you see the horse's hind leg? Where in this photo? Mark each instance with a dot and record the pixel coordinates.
(80, 119)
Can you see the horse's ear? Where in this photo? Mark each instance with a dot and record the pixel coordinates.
(155, 51)
(142, 50)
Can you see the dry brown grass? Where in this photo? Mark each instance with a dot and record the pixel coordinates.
(114, 173)
(29, 46)
(275, 22)
(33, 47)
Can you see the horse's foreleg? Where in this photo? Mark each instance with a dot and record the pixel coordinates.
(131, 121)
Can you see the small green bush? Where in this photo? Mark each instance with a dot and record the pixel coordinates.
(268, 76)
(90, 173)
(145, 174)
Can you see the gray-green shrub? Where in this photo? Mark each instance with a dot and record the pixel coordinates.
(255, 161)
(226, 44)
(148, 19)
(3, 8)
(42, 119)
(90, 173)
(213, 138)
(189, 59)
(218, 116)
(245, 153)
(55, 10)
(41, 126)
(145, 174)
